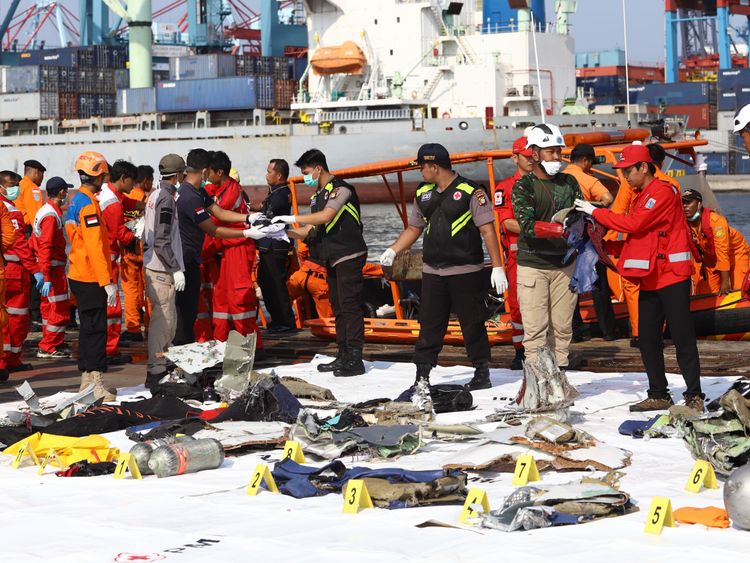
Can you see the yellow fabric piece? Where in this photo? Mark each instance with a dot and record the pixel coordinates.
(710, 516)
(69, 449)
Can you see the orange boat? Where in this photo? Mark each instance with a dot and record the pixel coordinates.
(719, 317)
(346, 58)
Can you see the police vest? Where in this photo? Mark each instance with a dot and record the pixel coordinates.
(342, 235)
(451, 237)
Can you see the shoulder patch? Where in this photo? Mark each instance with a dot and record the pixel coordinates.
(91, 220)
(334, 193)
(480, 197)
(499, 197)
(719, 232)
(457, 195)
(426, 196)
(650, 203)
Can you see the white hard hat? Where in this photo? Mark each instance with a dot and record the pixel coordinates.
(545, 135)
(742, 118)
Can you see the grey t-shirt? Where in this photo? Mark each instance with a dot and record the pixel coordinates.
(481, 214)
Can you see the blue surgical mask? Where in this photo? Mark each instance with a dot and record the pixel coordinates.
(310, 181)
(13, 193)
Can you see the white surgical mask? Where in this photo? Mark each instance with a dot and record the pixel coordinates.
(552, 167)
(696, 215)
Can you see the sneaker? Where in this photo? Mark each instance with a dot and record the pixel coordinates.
(54, 354)
(694, 402)
(652, 404)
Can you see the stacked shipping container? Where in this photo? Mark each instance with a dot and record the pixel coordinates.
(696, 100)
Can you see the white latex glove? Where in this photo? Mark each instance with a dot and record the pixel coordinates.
(253, 233)
(287, 219)
(386, 259)
(498, 281)
(111, 289)
(585, 206)
(258, 294)
(700, 163)
(252, 217)
(179, 280)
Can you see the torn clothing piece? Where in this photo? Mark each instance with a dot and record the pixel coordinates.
(545, 387)
(541, 506)
(84, 468)
(268, 400)
(386, 441)
(445, 397)
(167, 429)
(305, 390)
(301, 481)
(273, 231)
(388, 413)
(709, 516)
(197, 356)
(238, 359)
(584, 271)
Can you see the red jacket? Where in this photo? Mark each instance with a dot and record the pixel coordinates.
(658, 252)
(49, 239)
(504, 210)
(20, 252)
(111, 204)
(230, 196)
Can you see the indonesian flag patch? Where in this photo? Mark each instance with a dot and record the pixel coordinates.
(91, 221)
(199, 210)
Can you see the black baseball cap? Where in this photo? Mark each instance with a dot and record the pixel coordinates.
(56, 184)
(35, 164)
(692, 195)
(434, 153)
(582, 151)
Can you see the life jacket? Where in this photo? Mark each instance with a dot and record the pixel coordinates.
(451, 237)
(665, 247)
(342, 235)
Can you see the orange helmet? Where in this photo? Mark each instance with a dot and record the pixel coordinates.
(92, 164)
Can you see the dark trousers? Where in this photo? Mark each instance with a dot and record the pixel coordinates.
(345, 288)
(605, 313)
(186, 302)
(673, 304)
(461, 294)
(92, 323)
(272, 276)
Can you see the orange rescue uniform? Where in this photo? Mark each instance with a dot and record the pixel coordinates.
(131, 274)
(591, 188)
(30, 200)
(7, 238)
(723, 248)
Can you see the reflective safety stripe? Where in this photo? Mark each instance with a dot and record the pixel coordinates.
(54, 328)
(638, 264)
(465, 188)
(234, 316)
(517, 326)
(57, 298)
(9, 348)
(117, 321)
(425, 188)
(513, 247)
(518, 338)
(57, 262)
(17, 311)
(348, 208)
(460, 223)
(203, 316)
(11, 258)
(114, 257)
(680, 257)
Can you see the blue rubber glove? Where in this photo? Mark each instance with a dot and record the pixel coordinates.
(39, 277)
(46, 287)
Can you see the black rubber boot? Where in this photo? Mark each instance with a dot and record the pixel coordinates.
(423, 373)
(481, 379)
(352, 364)
(335, 364)
(517, 362)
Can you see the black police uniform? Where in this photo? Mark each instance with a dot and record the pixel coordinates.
(337, 239)
(451, 239)
(273, 265)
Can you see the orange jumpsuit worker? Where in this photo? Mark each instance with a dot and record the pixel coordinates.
(7, 238)
(234, 301)
(723, 249)
(21, 265)
(49, 240)
(310, 279)
(131, 264)
(90, 272)
(509, 230)
(112, 202)
(28, 203)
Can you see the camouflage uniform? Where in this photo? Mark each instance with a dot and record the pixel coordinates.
(546, 302)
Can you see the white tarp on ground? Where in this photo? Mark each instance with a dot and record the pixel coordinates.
(46, 518)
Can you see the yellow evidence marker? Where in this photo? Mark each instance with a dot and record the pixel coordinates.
(127, 463)
(702, 474)
(356, 496)
(51, 456)
(525, 470)
(26, 449)
(293, 451)
(659, 515)
(262, 474)
(476, 496)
